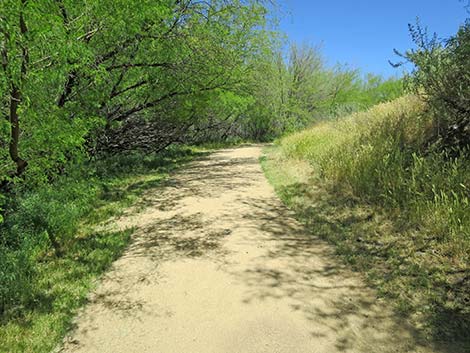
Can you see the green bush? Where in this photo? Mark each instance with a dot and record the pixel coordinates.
(442, 78)
(53, 211)
(41, 218)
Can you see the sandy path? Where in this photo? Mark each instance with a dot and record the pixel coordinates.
(219, 265)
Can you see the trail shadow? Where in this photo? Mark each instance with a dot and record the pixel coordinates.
(349, 306)
(206, 177)
(304, 270)
(176, 237)
(165, 234)
(295, 265)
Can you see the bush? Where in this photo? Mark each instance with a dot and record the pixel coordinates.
(442, 78)
(380, 156)
(39, 218)
(53, 211)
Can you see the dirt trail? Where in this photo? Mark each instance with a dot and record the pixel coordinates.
(217, 264)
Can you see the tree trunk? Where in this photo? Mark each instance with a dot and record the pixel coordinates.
(15, 100)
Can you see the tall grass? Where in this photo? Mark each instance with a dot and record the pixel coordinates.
(381, 158)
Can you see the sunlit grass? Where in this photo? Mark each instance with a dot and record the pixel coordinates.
(395, 208)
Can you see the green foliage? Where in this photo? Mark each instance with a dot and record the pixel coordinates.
(16, 273)
(111, 76)
(75, 79)
(82, 72)
(42, 212)
(80, 80)
(403, 164)
(441, 77)
(290, 95)
(50, 214)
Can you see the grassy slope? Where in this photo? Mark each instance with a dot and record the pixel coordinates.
(393, 212)
(60, 284)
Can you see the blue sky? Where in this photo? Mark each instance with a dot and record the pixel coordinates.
(363, 33)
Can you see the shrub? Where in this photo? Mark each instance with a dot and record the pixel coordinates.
(53, 211)
(442, 78)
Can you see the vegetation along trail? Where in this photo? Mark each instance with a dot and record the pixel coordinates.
(218, 264)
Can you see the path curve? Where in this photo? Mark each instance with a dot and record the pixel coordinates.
(218, 265)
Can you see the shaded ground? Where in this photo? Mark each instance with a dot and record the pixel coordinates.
(219, 265)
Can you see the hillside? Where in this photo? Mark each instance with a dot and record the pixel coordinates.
(394, 208)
